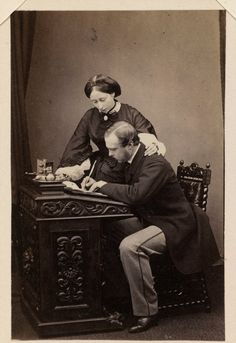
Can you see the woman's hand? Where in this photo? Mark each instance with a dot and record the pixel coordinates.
(152, 145)
(151, 149)
(74, 173)
(154, 148)
(161, 148)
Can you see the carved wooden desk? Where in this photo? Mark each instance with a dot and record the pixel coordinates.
(61, 260)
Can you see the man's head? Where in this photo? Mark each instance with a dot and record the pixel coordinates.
(121, 140)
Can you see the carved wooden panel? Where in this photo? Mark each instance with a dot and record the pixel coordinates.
(30, 259)
(194, 181)
(28, 203)
(70, 269)
(69, 208)
(194, 172)
(75, 261)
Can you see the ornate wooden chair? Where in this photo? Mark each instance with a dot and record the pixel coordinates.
(176, 290)
(194, 181)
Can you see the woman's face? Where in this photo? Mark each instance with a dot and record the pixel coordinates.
(102, 101)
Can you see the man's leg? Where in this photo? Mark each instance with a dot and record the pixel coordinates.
(116, 288)
(135, 251)
(117, 229)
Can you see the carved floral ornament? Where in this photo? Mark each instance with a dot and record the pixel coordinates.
(78, 208)
(70, 269)
(63, 208)
(28, 260)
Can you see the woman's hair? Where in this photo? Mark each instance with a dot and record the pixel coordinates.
(103, 84)
(125, 132)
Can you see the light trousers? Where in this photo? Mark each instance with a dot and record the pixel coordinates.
(135, 251)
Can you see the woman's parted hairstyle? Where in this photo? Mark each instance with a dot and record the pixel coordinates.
(103, 84)
(125, 132)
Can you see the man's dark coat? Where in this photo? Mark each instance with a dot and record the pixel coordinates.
(153, 191)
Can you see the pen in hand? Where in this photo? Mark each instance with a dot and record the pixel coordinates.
(88, 177)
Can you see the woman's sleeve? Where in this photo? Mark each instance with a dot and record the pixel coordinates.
(78, 148)
(141, 124)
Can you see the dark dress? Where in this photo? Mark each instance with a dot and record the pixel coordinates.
(92, 127)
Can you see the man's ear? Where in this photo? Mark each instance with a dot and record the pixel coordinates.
(130, 145)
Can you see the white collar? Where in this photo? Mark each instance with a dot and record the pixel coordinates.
(116, 108)
(132, 157)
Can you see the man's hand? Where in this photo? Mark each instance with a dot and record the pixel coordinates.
(87, 182)
(97, 185)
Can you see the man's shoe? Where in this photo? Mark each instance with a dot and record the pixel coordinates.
(143, 323)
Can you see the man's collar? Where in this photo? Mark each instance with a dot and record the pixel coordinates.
(132, 157)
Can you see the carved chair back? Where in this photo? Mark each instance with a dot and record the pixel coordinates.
(194, 181)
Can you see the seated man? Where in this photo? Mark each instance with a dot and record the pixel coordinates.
(168, 220)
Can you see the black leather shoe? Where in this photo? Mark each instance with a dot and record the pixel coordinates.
(143, 323)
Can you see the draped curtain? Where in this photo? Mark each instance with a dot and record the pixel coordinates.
(22, 33)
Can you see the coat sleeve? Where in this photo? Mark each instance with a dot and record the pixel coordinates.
(152, 177)
(78, 148)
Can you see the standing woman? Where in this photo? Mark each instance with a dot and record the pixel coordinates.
(78, 156)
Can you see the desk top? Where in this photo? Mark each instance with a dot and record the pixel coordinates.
(59, 204)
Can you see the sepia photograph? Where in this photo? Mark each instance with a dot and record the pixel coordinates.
(118, 174)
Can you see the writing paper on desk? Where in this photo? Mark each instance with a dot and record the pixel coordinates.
(82, 192)
(72, 187)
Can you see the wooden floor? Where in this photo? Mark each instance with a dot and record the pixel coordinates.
(184, 326)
